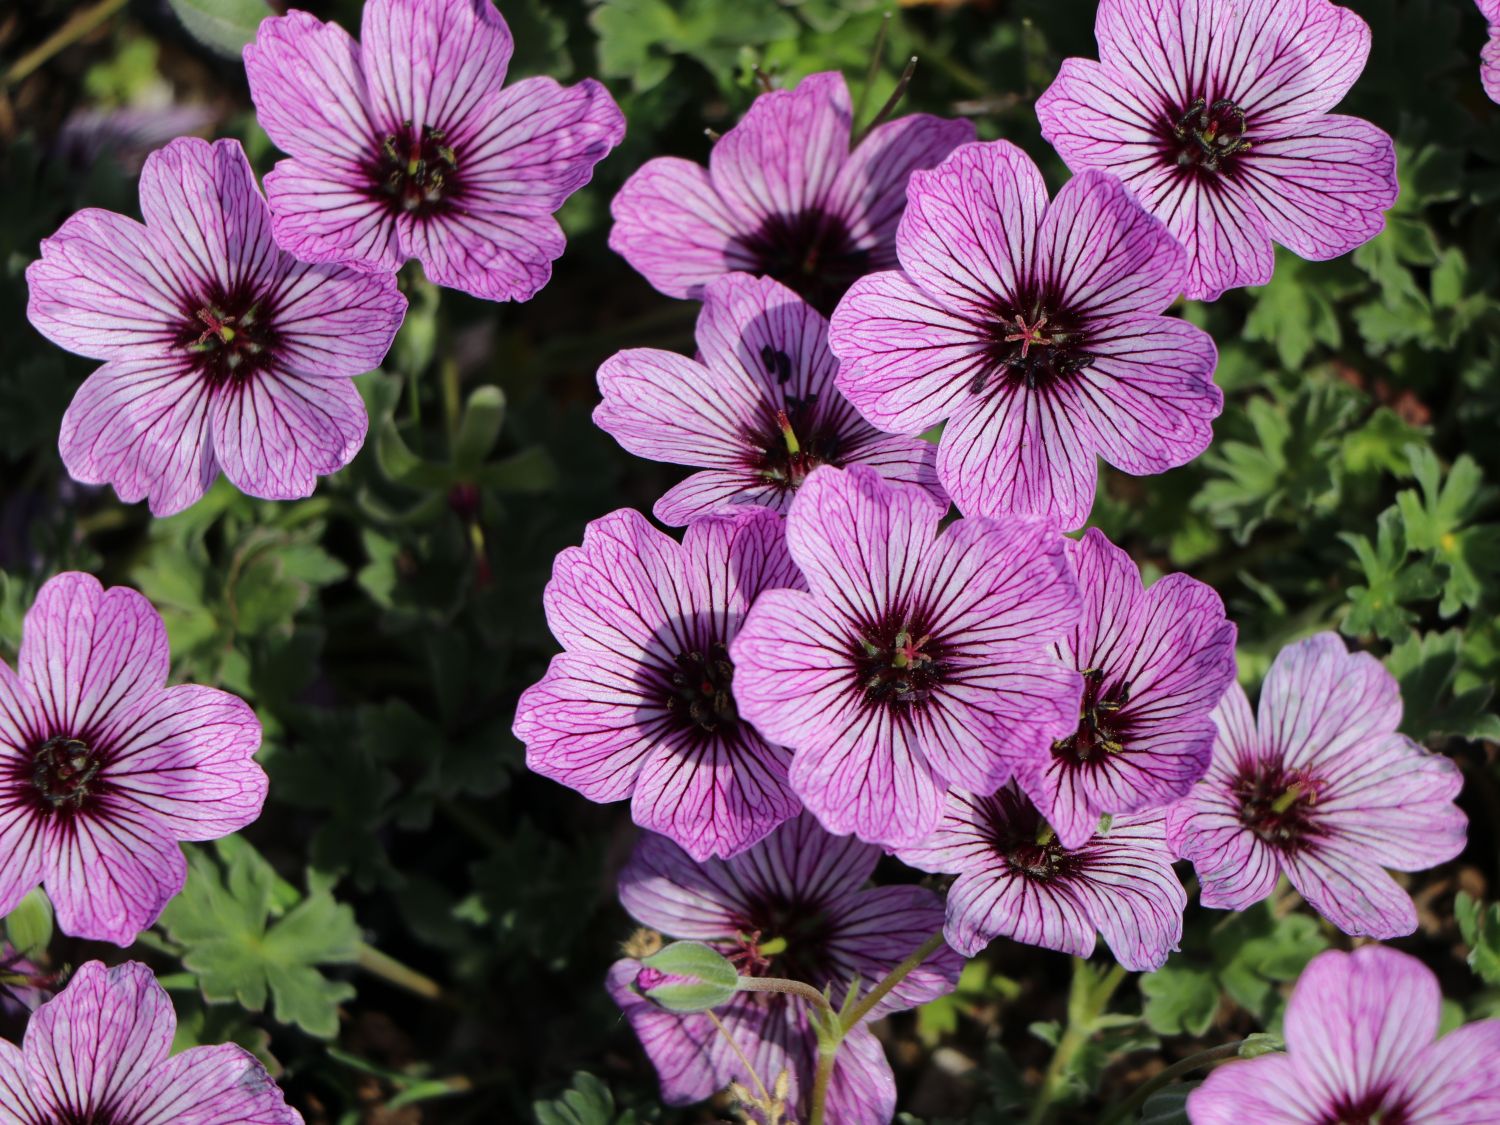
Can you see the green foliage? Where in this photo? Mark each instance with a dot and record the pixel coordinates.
(224, 25)
(29, 926)
(709, 980)
(1480, 926)
(587, 1102)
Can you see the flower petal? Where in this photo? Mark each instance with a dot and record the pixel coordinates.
(323, 215)
(222, 1085)
(1320, 700)
(1219, 226)
(335, 322)
(495, 255)
(678, 1046)
(110, 873)
(15, 1089)
(673, 228)
(1455, 1081)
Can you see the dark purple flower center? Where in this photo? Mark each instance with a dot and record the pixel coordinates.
(65, 771)
(701, 694)
(415, 173)
(1367, 1109)
(229, 334)
(1207, 136)
(1101, 726)
(812, 253)
(900, 662)
(1024, 839)
(1035, 343)
(782, 938)
(1278, 805)
(798, 438)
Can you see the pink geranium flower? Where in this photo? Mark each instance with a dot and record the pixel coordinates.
(758, 407)
(98, 1054)
(783, 196)
(103, 769)
(1322, 789)
(1016, 879)
(797, 905)
(404, 145)
(1362, 1046)
(1214, 113)
(914, 661)
(222, 352)
(1034, 330)
(642, 704)
(1154, 662)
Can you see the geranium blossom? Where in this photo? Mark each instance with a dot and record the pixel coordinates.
(1034, 330)
(1489, 64)
(1214, 113)
(1154, 662)
(796, 905)
(642, 702)
(1016, 879)
(222, 352)
(914, 661)
(1360, 1031)
(782, 196)
(758, 406)
(1324, 790)
(103, 769)
(405, 145)
(98, 1054)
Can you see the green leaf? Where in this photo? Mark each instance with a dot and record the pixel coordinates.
(1169, 1106)
(1180, 999)
(224, 25)
(29, 926)
(1480, 927)
(1292, 314)
(1391, 583)
(710, 981)
(479, 428)
(1427, 666)
(1437, 521)
(248, 935)
(588, 1102)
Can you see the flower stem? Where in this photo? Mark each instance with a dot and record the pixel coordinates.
(821, 1082)
(64, 37)
(388, 969)
(1087, 1000)
(892, 979)
(781, 984)
(1126, 1109)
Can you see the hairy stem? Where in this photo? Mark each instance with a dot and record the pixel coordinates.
(1087, 1000)
(892, 979)
(791, 987)
(1126, 1110)
(388, 969)
(64, 37)
(821, 1082)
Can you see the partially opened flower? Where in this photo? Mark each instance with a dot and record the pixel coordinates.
(758, 407)
(1154, 662)
(405, 145)
(1362, 1046)
(222, 352)
(1017, 880)
(1214, 113)
(103, 768)
(782, 196)
(1489, 59)
(1324, 790)
(796, 905)
(98, 1054)
(1034, 330)
(914, 661)
(642, 702)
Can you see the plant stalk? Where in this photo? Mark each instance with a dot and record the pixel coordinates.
(388, 969)
(1087, 1001)
(1127, 1109)
(64, 37)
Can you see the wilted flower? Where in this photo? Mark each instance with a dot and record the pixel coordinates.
(642, 702)
(782, 196)
(1360, 1031)
(404, 145)
(222, 352)
(103, 769)
(98, 1054)
(796, 905)
(1213, 112)
(1034, 329)
(758, 406)
(917, 660)
(1154, 663)
(1324, 790)
(1489, 59)
(1017, 880)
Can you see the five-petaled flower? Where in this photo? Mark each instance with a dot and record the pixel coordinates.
(98, 1054)
(1324, 789)
(1154, 663)
(1035, 330)
(914, 661)
(405, 145)
(796, 905)
(1213, 112)
(103, 769)
(783, 196)
(1362, 1046)
(642, 704)
(758, 406)
(1016, 879)
(221, 351)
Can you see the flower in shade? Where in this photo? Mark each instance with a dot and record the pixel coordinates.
(103, 769)
(1034, 330)
(642, 702)
(1323, 790)
(796, 905)
(758, 407)
(1154, 663)
(1489, 59)
(1017, 880)
(221, 351)
(1213, 112)
(914, 660)
(404, 145)
(98, 1053)
(1362, 1046)
(783, 196)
